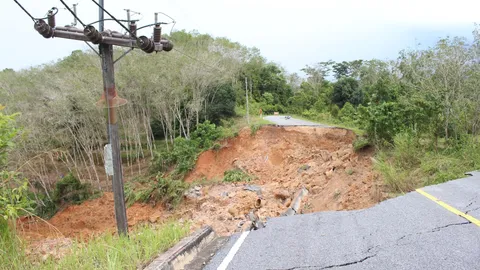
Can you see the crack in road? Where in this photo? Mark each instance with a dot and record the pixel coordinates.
(350, 263)
(453, 224)
(329, 266)
(474, 209)
(436, 229)
(472, 201)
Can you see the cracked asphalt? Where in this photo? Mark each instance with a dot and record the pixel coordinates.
(407, 232)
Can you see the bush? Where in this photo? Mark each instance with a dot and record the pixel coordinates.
(382, 122)
(334, 110)
(309, 113)
(216, 147)
(182, 156)
(205, 134)
(347, 114)
(45, 207)
(407, 151)
(13, 195)
(168, 191)
(70, 190)
(236, 176)
(254, 128)
(360, 143)
(162, 189)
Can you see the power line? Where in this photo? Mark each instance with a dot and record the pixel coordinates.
(108, 13)
(111, 20)
(193, 58)
(30, 15)
(73, 13)
(173, 21)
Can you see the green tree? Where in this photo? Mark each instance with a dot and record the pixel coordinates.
(268, 98)
(347, 90)
(222, 104)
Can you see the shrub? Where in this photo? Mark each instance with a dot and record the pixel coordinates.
(205, 134)
(13, 195)
(183, 156)
(162, 189)
(70, 190)
(348, 113)
(360, 143)
(383, 121)
(309, 113)
(407, 151)
(236, 175)
(45, 207)
(334, 110)
(168, 191)
(254, 128)
(216, 147)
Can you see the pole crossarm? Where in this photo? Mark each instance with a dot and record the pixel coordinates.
(90, 34)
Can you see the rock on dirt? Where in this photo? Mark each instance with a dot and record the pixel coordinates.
(281, 194)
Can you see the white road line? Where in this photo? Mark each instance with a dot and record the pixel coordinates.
(233, 251)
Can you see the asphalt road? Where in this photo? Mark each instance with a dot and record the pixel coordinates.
(407, 232)
(280, 120)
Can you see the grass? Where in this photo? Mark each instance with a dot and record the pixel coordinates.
(12, 255)
(108, 251)
(414, 163)
(236, 175)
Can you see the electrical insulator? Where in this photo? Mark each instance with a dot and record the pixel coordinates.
(133, 28)
(92, 34)
(146, 44)
(44, 29)
(51, 19)
(167, 45)
(157, 33)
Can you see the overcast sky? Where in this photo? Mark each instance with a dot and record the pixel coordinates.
(291, 33)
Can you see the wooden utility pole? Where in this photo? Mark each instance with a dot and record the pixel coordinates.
(110, 93)
(106, 53)
(246, 96)
(110, 99)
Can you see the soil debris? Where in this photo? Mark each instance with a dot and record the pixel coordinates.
(280, 160)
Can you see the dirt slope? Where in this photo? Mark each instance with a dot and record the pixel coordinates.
(282, 160)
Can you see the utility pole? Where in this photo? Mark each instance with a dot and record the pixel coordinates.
(110, 94)
(246, 96)
(110, 100)
(106, 53)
